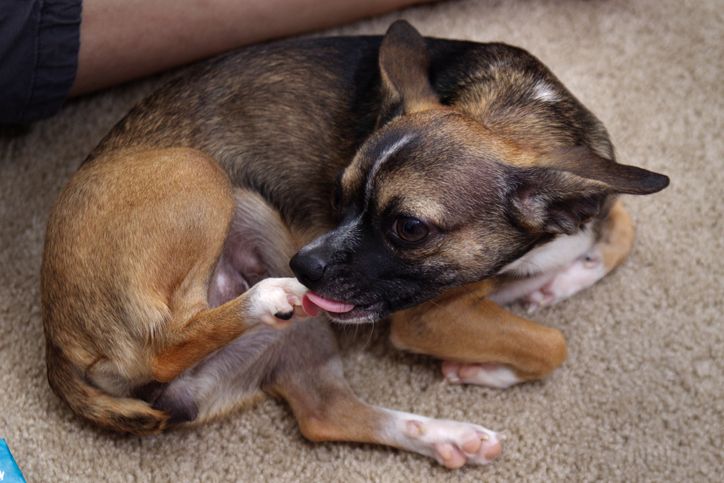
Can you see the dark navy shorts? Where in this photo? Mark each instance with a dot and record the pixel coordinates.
(39, 42)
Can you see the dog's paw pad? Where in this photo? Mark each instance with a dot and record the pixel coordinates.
(454, 444)
(274, 299)
(498, 376)
(579, 275)
(449, 456)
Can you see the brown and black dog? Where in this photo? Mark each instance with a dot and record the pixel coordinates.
(400, 170)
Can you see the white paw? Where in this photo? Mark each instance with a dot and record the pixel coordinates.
(273, 299)
(581, 274)
(452, 443)
(498, 376)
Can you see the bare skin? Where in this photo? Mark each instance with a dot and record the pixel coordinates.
(122, 40)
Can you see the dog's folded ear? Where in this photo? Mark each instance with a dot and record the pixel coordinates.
(404, 64)
(566, 193)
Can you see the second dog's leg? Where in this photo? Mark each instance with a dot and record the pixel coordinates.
(309, 376)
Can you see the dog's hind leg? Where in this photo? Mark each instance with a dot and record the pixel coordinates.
(615, 241)
(613, 246)
(258, 245)
(309, 377)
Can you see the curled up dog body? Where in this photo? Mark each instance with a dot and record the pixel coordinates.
(194, 261)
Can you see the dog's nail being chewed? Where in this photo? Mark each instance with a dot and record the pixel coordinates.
(284, 315)
(274, 300)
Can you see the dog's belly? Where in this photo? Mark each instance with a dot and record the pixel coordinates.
(258, 245)
(238, 268)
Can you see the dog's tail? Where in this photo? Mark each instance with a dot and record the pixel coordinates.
(120, 414)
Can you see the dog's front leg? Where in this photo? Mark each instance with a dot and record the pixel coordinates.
(481, 342)
(270, 301)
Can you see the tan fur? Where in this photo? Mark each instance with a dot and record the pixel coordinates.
(617, 236)
(463, 326)
(330, 411)
(158, 222)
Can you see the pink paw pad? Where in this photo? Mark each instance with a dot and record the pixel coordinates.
(454, 444)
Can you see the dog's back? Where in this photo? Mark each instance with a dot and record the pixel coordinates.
(255, 110)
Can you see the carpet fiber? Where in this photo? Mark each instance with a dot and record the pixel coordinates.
(641, 397)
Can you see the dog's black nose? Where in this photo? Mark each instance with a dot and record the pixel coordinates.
(308, 267)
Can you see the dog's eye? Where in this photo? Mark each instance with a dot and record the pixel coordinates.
(409, 229)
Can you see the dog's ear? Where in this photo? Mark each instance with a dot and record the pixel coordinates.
(404, 64)
(566, 193)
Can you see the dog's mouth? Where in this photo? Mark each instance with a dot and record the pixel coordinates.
(339, 311)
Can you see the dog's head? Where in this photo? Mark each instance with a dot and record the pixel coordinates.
(434, 199)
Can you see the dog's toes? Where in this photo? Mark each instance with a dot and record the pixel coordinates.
(490, 451)
(453, 444)
(449, 456)
(539, 298)
(274, 300)
(498, 376)
(450, 372)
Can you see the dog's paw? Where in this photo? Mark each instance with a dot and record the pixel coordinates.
(273, 300)
(581, 274)
(452, 443)
(498, 376)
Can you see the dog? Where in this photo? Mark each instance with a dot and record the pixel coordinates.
(424, 181)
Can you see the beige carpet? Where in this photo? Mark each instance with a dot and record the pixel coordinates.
(642, 395)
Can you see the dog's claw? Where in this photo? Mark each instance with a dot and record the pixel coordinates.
(284, 315)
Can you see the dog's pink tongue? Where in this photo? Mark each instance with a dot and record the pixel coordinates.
(313, 302)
